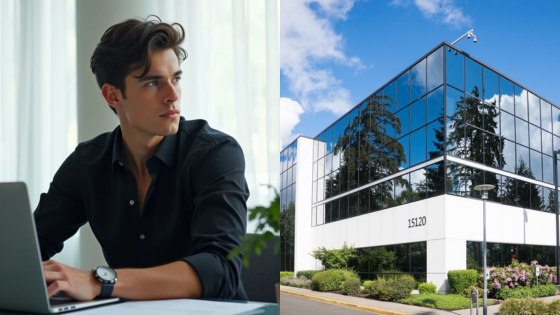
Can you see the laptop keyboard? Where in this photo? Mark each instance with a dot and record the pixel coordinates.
(60, 298)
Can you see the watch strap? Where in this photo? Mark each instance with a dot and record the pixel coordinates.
(106, 290)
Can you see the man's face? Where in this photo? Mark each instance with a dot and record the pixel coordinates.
(150, 98)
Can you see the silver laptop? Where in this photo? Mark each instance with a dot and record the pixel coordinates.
(22, 283)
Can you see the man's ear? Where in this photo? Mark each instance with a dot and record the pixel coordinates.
(111, 95)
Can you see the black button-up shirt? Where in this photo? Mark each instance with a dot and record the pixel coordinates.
(195, 208)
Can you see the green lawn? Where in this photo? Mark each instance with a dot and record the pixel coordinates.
(444, 302)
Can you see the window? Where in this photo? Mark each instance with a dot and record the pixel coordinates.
(435, 69)
(454, 69)
(473, 76)
(418, 80)
(506, 95)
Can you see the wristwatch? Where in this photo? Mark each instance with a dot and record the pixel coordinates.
(108, 277)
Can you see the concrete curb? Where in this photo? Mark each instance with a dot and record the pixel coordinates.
(365, 308)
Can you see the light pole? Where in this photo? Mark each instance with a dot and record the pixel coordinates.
(557, 249)
(484, 190)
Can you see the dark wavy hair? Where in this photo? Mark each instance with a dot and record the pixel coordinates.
(128, 46)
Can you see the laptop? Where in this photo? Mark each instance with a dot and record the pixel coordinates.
(22, 282)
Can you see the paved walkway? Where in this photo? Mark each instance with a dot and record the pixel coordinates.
(385, 307)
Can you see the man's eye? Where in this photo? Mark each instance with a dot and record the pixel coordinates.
(150, 84)
(177, 79)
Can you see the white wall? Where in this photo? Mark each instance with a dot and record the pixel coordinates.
(303, 231)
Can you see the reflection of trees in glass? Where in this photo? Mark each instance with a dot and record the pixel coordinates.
(287, 236)
(379, 259)
(525, 193)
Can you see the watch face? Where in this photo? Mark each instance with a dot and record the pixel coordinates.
(106, 273)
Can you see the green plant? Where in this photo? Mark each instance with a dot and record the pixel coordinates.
(267, 218)
(459, 280)
(391, 289)
(308, 273)
(467, 292)
(427, 288)
(445, 302)
(286, 274)
(366, 283)
(554, 307)
(524, 292)
(352, 286)
(335, 258)
(525, 306)
(330, 280)
(371, 287)
(296, 282)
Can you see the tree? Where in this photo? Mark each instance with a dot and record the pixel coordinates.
(335, 258)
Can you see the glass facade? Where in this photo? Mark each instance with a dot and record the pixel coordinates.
(501, 255)
(288, 166)
(447, 104)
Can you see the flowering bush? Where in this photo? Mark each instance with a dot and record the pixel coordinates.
(517, 275)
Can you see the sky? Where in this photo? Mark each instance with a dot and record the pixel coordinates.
(335, 53)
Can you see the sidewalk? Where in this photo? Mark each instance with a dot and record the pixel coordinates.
(389, 308)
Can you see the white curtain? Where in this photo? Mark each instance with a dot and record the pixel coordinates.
(231, 79)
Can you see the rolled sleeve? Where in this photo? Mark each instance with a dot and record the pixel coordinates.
(219, 219)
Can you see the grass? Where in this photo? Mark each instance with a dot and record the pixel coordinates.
(444, 302)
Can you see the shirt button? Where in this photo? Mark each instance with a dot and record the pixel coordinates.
(131, 202)
(142, 236)
(120, 163)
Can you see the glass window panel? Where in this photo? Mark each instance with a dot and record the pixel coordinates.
(353, 205)
(294, 173)
(418, 114)
(435, 179)
(402, 153)
(454, 69)
(556, 142)
(455, 133)
(473, 77)
(454, 103)
(474, 144)
(321, 168)
(389, 129)
(522, 166)
(364, 116)
(536, 165)
(344, 130)
(534, 109)
(547, 196)
(329, 139)
(418, 146)
(328, 212)
(314, 196)
(363, 201)
(335, 134)
(322, 145)
(389, 97)
(492, 179)
(546, 116)
(328, 186)
(435, 139)
(435, 104)
(320, 215)
(547, 169)
(282, 159)
(492, 150)
(491, 87)
(491, 119)
(285, 179)
(293, 193)
(473, 111)
(535, 137)
(335, 210)
(343, 177)
(418, 257)
(289, 156)
(403, 90)
(507, 191)
(523, 194)
(506, 95)
(546, 142)
(289, 171)
(314, 216)
(418, 80)
(376, 201)
(402, 193)
(314, 172)
(418, 185)
(556, 120)
(521, 102)
(343, 208)
(354, 120)
(353, 175)
(328, 163)
(321, 189)
(435, 69)
(402, 122)
(521, 132)
(388, 194)
(295, 151)
(508, 126)
(377, 168)
(509, 156)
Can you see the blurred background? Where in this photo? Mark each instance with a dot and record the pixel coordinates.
(50, 101)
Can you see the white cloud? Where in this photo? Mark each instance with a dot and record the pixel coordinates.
(307, 39)
(289, 118)
(438, 10)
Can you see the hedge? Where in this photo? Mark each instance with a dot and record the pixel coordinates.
(427, 288)
(331, 280)
(286, 274)
(392, 289)
(459, 280)
(308, 273)
(524, 292)
(352, 286)
(529, 306)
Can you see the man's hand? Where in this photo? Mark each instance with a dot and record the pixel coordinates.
(77, 284)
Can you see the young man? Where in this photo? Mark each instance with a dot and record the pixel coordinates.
(165, 197)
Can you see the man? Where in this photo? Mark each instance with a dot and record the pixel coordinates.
(165, 197)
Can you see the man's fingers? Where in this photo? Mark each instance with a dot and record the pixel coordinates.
(53, 267)
(51, 276)
(56, 286)
(49, 262)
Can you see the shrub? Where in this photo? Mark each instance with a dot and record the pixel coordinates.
(292, 281)
(459, 280)
(330, 280)
(308, 273)
(554, 307)
(525, 306)
(335, 258)
(392, 289)
(352, 286)
(467, 292)
(517, 275)
(427, 288)
(445, 302)
(366, 284)
(524, 292)
(371, 288)
(286, 274)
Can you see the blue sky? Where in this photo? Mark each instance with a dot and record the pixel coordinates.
(334, 53)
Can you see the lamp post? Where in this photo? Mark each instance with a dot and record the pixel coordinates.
(484, 190)
(555, 173)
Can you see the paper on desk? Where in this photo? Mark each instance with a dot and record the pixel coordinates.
(173, 307)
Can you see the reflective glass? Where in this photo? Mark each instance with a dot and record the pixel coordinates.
(418, 80)
(364, 116)
(521, 132)
(403, 90)
(343, 208)
(328, 186)
(555, 120)
(474, 144)
(285, 179)
(294, 170)
(534, 110)
(522, 166)
(391, 152)
(418, 113)
(363, 201)
(354, 208)
(320, 215)
(355, 120)
(335, 134)
(491, 87)
(402, 154)
(402, 122)
(418, 146)
(548, 171)
(289, 172)
(492, 150)
(321, 189)
(376, 193)
(473, 111)
(402, 193)
(363, 159)
(435, 179)
(491, 119)
(435, 139)
(418, 185)
(506, 95)
(521, 102)
(388, 193)
(295, 151)
(335, 161)
(454, 103)
(375, 109)
(328, 212)
(343, 176)
(282, 160)
(535, 137)
(289, 150)
(321, 168)
(335, 210)
(473, 77)
(536, 164)
(322, 145)
(454, 69)
(509, 156)
(353, 175)
(389, 97)
(435, 69)
(455, 134)
(344, 130)
(547, 196)
(435, 104)
(376, 170)
(508, 125)
(329, 140)
(546, 116)
(523, 194)
(556, 142)
(389, 129)
(328, 163)
(546, 142)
